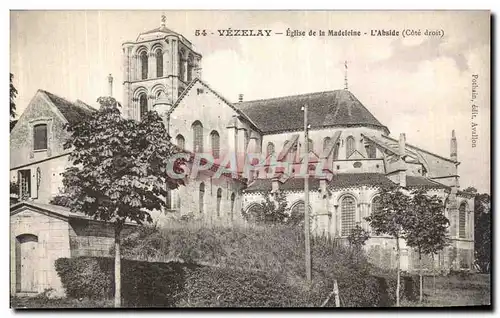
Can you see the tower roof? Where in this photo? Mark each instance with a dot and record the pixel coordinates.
(325, 109)
(161, 32)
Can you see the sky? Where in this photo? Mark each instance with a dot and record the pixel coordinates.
(420, 85)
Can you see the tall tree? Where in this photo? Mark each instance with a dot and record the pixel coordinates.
(390, 220)
(482, 232)
(119, 171)
(13, 95)
(425, 227)
(273, 209)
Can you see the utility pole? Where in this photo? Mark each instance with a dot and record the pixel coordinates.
(306, 198)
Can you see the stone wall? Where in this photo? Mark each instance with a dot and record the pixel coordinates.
(53, 243)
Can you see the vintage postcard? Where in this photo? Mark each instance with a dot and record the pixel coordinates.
(250, 159)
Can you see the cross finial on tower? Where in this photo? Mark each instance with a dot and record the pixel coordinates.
(346, 87)
(163, 20)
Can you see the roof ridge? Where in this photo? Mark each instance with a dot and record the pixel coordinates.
(287, 96)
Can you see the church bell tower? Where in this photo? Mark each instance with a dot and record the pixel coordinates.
(157, 67)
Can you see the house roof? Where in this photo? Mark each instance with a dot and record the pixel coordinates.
(51, 209)
(73, 112)
(346, 180)
(292, 184)
(48, 208)
(332, 108)
(423, 182)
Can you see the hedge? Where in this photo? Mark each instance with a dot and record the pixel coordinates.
(174, 284)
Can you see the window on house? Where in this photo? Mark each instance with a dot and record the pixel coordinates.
(40, 137)
(25, 185)
(348, 215)
(180, 141)
(144, 65)
(350, 146)
(201, 197)
(159, 63)
(197, 128)
(461, 220)
(215, 139)
(143, 105)
(219, 198)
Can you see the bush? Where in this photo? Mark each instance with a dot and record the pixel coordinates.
(144, 284)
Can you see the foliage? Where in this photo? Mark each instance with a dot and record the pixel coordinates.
(13, 95)
(272, 210)
(482, 232)
(390, 218)
(119, 170)
(144, 284)
(358, 237)
(425, 224)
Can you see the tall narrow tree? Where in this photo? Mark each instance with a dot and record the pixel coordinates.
(390, 220)
(119, 173)
(425, 227)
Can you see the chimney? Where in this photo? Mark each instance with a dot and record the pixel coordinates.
(402, 144)
(110, 82)
(240, 98)
(453, 146)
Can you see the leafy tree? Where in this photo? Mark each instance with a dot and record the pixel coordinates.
(13, 94)
(273, 209)
(358, 237)
(482, 232)
(390, 220)
(119, 171)
(425, 227)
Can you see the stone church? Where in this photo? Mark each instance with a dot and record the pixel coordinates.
(352, 151)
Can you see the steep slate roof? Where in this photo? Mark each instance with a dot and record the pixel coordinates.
(333, 108)
(12, 124)
(73, 112)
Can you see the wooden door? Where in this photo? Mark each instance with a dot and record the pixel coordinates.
(26, 258)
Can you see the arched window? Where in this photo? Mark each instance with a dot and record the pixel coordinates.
(371, 151)
(376, 205)
(336, 151)
(180, 141)
(159, 63)
(215, 139)
(297, 213)
(461, 220)
(326, 141)
(201, 197)
(270, 149)
(40, 137)
(143, 104)
(144, 65)
(233, 198)
(197, 136)
(219, 198)
(181, 67)
(348, 215)
(350, 146)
